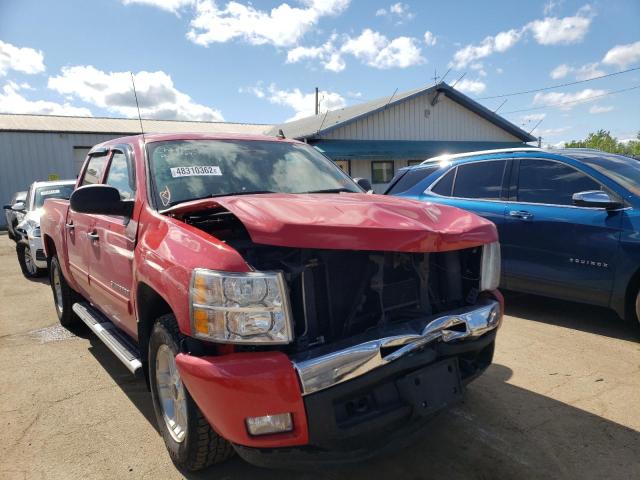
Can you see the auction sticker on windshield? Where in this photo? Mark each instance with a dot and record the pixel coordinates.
(195, 171)
(50, 192)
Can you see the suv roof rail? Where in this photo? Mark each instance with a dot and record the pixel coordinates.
(452, 156)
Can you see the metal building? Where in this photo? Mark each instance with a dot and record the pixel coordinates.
(375, 138)
(42, 147)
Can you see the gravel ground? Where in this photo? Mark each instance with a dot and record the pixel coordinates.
(562, 400)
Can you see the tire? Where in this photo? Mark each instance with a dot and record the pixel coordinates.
(63, 295)
(11, 235)
(192, 443)
(27, 262)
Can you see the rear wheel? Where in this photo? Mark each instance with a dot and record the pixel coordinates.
(27, 262)
(63, 295)
(190, 440)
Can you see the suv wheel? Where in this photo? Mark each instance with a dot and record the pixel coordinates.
(27, 262)
(190, 440)
(63, 295)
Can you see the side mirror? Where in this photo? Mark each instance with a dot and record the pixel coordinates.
(595, 199)
(7, 207)
(16, 207)
(364, 183)
(100, 200)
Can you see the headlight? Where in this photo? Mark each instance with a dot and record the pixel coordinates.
(490, 270)
(249, 308)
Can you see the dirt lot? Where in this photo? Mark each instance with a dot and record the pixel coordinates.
(561, 401)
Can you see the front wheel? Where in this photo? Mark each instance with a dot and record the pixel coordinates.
(190, 440)
(63, 295)
(27, 262)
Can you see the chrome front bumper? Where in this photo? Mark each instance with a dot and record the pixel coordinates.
(329, 369)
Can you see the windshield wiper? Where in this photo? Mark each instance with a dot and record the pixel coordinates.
(331, 190)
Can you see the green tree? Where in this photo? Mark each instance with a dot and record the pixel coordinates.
(603, 140)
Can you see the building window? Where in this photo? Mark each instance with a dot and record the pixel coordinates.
(345, 166)
(411, 163)
(381, 171)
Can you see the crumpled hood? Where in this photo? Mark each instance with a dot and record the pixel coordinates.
(351, 222)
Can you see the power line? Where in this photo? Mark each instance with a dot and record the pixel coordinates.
(559, 85)
(572, 101)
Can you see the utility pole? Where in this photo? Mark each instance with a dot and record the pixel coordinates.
(539, 142)
(317, 104)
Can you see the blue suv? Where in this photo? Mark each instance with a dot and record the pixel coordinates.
(568, 220)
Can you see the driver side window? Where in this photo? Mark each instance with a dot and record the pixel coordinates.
(550, 182)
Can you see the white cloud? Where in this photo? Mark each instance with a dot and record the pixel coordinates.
(376, 50)
(588, 71)
(562, 31)
(568, 99)
(430, 39)
(21, 59)
(474, 87)
(302, 103)
(113, 91)
(600, 108)
(623, 55)
(534, 117)
(327, 53)
(370, 47)
(585, 72)
(11, 101)
(551, 132)
(283, 26)
(173, 6)
(499, 70)
(551, 5)
(548, 31)
(560, 71)
(398, 11)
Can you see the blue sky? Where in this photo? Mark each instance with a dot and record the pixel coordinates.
(260, 61)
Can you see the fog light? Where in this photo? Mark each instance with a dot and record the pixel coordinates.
(270, 424)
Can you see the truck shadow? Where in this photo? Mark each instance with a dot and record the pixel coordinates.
(500, 431)
(579, 316)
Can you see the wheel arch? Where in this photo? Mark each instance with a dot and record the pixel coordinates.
(633, 286)
(150, 305)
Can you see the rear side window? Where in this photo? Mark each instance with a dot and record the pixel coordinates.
(120, 177)
(480, 180)
(543, 181)
(445, 184)
(94, 171)
(410, 179)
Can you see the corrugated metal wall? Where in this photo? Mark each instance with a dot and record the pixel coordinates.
(26, 157)
(447, 120)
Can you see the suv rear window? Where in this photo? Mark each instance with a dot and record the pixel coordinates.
(480, 180)
(410, 179)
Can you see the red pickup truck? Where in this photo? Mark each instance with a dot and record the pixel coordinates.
(274, 308)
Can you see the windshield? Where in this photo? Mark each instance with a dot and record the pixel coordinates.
(622, 170)
(191, 169)
(52, 191)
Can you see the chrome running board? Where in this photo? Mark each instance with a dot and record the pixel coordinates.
(116, 341)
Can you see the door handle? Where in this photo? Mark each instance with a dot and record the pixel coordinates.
(93, 236)
(69, 226)
(521, 214)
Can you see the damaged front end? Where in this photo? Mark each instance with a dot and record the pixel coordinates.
(351, 311)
